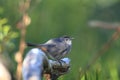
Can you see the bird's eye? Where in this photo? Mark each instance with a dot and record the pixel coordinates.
(66, 39)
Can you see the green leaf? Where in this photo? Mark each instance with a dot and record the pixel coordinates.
(6, 29)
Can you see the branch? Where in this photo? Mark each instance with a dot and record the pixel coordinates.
(36, 64)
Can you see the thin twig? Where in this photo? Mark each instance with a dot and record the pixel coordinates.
(105, 25)
(21, 25)
(105, 47)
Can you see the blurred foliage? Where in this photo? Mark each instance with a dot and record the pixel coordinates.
(6, 35)
(53, 18)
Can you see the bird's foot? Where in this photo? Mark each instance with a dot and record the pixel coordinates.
(61, 62)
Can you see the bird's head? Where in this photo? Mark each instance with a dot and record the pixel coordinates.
(68, 40)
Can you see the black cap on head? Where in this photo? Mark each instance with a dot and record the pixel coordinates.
(65, 36)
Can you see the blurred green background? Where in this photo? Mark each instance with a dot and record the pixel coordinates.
(54, 18)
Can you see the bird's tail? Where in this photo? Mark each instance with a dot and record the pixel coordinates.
(32, 44)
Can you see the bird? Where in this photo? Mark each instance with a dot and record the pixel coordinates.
(55, 48)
